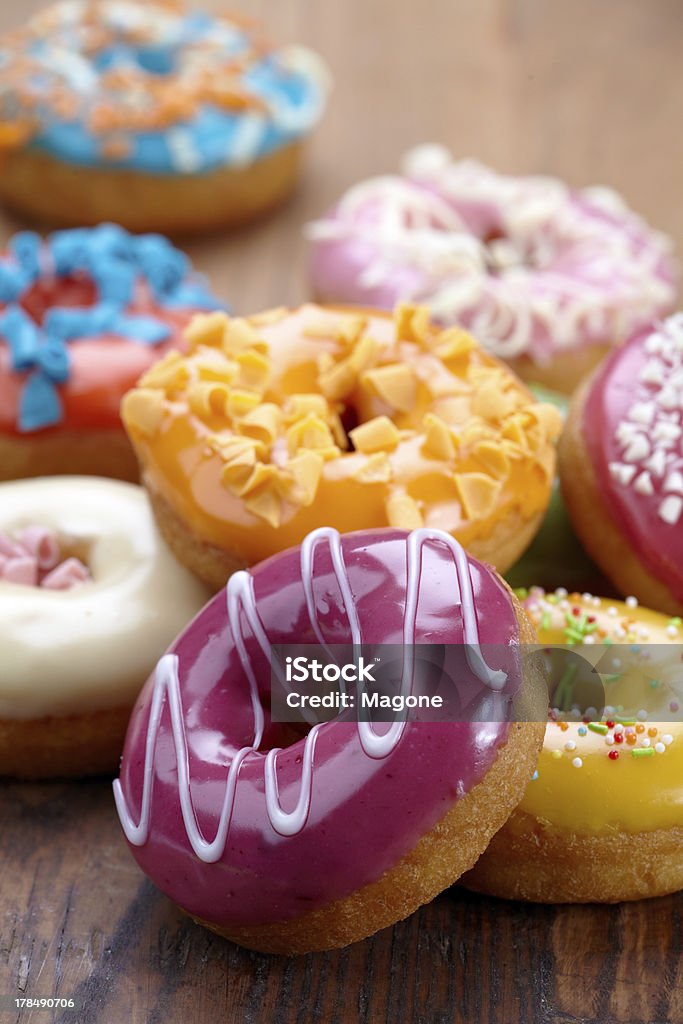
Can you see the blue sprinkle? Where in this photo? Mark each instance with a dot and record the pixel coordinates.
(77, 322)
(113, 242)
(164, 266)
(143, 329)
(25, 247)
(115, 280)
(53, 358)
(534, 776)
(12, 282)
(22, 336)
(70, 250)
(40, 404)
(582, 730)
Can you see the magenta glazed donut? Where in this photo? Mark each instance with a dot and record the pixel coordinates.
(546, 277)
(352, 827)
(621, 466)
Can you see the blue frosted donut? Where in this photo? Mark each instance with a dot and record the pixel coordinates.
(151, 116)
(152, 87)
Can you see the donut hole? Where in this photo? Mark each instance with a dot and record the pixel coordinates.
(350, 419)
(282, 735)
(69, 292)
(52, 561)
(159, 60)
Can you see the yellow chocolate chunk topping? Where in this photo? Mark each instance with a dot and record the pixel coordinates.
(248, 426)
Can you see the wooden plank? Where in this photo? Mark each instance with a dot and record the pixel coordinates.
(78, 919)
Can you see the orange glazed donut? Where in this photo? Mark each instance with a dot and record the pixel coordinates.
(602, 819)
(276, 424)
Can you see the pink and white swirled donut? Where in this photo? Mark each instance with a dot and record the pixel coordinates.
(314, 843)
(545, 276)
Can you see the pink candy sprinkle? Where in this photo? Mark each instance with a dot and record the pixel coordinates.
(32, 559)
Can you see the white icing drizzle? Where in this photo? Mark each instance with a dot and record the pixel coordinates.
(559, 275)
(241, 601)
(650, 437)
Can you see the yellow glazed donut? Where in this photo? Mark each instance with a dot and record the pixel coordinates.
(277, 424)
(90, 597)
(602, 819)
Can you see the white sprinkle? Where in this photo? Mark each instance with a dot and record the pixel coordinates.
(667, 739)
(657, 462)
(183, 152)
(246, 138)
(577, 762)
(643, 484)
(674, 482)
(670, 509)
(570, 745)
(652, 372)
(643, 412)
(638, 449)
(660, 748)
(623, 474)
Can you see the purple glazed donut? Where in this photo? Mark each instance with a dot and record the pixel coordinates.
(352, 827)
(546, 277)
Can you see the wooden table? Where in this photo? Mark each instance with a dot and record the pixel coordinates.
(592, 92)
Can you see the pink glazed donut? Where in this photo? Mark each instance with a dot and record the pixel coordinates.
(621, 466)
(292, 843)
(546, 277)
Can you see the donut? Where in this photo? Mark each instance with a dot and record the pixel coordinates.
(82, 314)
(153, 115)
(90, 596)
(278, 423)
(297, 843)
(621, 466)
(547, 277)
(602, 819)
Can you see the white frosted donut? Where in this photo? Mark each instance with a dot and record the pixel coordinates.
(88, 649)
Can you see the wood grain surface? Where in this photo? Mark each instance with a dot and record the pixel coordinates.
(591, 90)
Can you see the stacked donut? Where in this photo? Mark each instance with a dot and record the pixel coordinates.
(330, 477)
